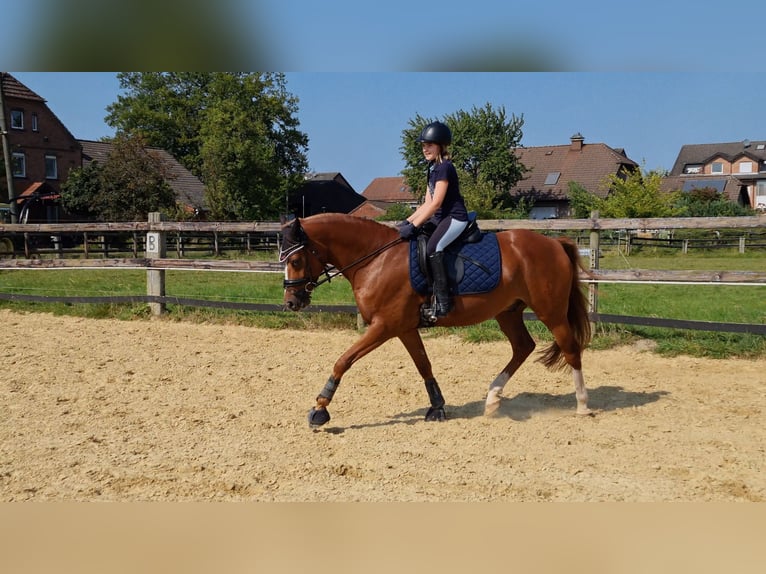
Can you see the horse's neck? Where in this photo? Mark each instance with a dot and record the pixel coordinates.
(347, 239)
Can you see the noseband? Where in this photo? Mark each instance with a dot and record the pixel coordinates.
(306, 282)
(296, 241)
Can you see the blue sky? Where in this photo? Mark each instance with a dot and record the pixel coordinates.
(396, 35)
(354, 120)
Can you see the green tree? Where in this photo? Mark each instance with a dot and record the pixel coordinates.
(80, 191)
(637, 194)
(238, 132)
(127, 186)
(582, 202)
(482, 144)
(707, 202)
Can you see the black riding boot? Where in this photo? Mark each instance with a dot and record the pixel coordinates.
(441, 304)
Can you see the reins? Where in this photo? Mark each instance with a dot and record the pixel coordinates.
(329, 276)
(310, 284)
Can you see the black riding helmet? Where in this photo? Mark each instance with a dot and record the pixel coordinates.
(436, 132)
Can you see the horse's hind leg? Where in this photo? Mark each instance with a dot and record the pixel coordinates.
(511, 323)
(572, 353)
(414, 345)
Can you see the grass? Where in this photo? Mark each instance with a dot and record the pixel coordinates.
(715, 303)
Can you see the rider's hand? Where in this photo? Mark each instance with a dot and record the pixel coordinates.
(407, 230)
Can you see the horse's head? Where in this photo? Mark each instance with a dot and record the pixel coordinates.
(302, 266)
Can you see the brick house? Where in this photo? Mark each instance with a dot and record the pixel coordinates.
(737, 170)
(551, 168)
(42, 150)
(383, 193)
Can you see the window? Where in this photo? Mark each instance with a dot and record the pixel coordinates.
(692, 184)
(695, 168)
(51, 167)
(746, 167)
(716, 167)
(17, 120)
(19, 164)
(552, 178)
(35, 125)
(760, 195)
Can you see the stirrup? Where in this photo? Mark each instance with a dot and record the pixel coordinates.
(427, 315)
(436, 311)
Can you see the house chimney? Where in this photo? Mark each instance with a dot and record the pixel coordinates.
(577, 140)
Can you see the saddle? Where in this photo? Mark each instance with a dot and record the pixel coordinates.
(472, 261)
(471, 234)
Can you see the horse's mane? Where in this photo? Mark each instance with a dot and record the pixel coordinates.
(344, 220)
(293, 234)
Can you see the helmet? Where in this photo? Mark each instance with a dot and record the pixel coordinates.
(436, 132)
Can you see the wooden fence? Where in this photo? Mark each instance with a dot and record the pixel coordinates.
(155, 238)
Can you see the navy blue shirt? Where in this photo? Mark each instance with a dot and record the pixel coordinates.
(453, 203)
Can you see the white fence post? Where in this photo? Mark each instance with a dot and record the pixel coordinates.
(155, 278)
(595, 250)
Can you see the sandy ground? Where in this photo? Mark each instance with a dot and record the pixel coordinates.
(143, 411)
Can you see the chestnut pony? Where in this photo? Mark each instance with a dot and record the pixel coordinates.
(538, 272)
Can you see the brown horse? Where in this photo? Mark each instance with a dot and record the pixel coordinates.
(538, 272)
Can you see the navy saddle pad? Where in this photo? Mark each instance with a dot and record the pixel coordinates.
(472, 267)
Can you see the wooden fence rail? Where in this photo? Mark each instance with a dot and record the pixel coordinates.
(161, 233)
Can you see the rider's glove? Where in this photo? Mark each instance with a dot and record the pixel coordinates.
(407, 230)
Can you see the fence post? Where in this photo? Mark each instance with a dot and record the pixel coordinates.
(742, 244)
(155, 278)
(595, 251)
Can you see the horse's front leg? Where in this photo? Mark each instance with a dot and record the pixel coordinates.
(373, 337)
(414, 345)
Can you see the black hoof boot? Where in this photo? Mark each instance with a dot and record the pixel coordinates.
(436, 414)
(318, 417)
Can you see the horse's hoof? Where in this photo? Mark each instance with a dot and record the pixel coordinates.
(318, 417)
(492, 409)
(436, 414)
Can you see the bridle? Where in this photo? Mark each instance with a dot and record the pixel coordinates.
(309, 283)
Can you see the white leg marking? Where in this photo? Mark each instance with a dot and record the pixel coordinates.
(581, 393)
(493, 395)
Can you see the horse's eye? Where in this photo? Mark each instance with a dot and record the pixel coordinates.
(296, 263)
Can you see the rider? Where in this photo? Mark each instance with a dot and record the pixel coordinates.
(444, 206)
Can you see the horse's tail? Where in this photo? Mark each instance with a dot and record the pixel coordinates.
(577, 313)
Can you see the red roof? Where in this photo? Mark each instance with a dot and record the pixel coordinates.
(368, 210)
(44, 189)
(12, 88)
(389, 189)
(553, 167)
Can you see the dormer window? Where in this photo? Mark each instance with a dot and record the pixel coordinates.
(746, 167)
(693, 168)
(716, 167)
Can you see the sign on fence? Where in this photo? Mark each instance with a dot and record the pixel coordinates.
(153, 242)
